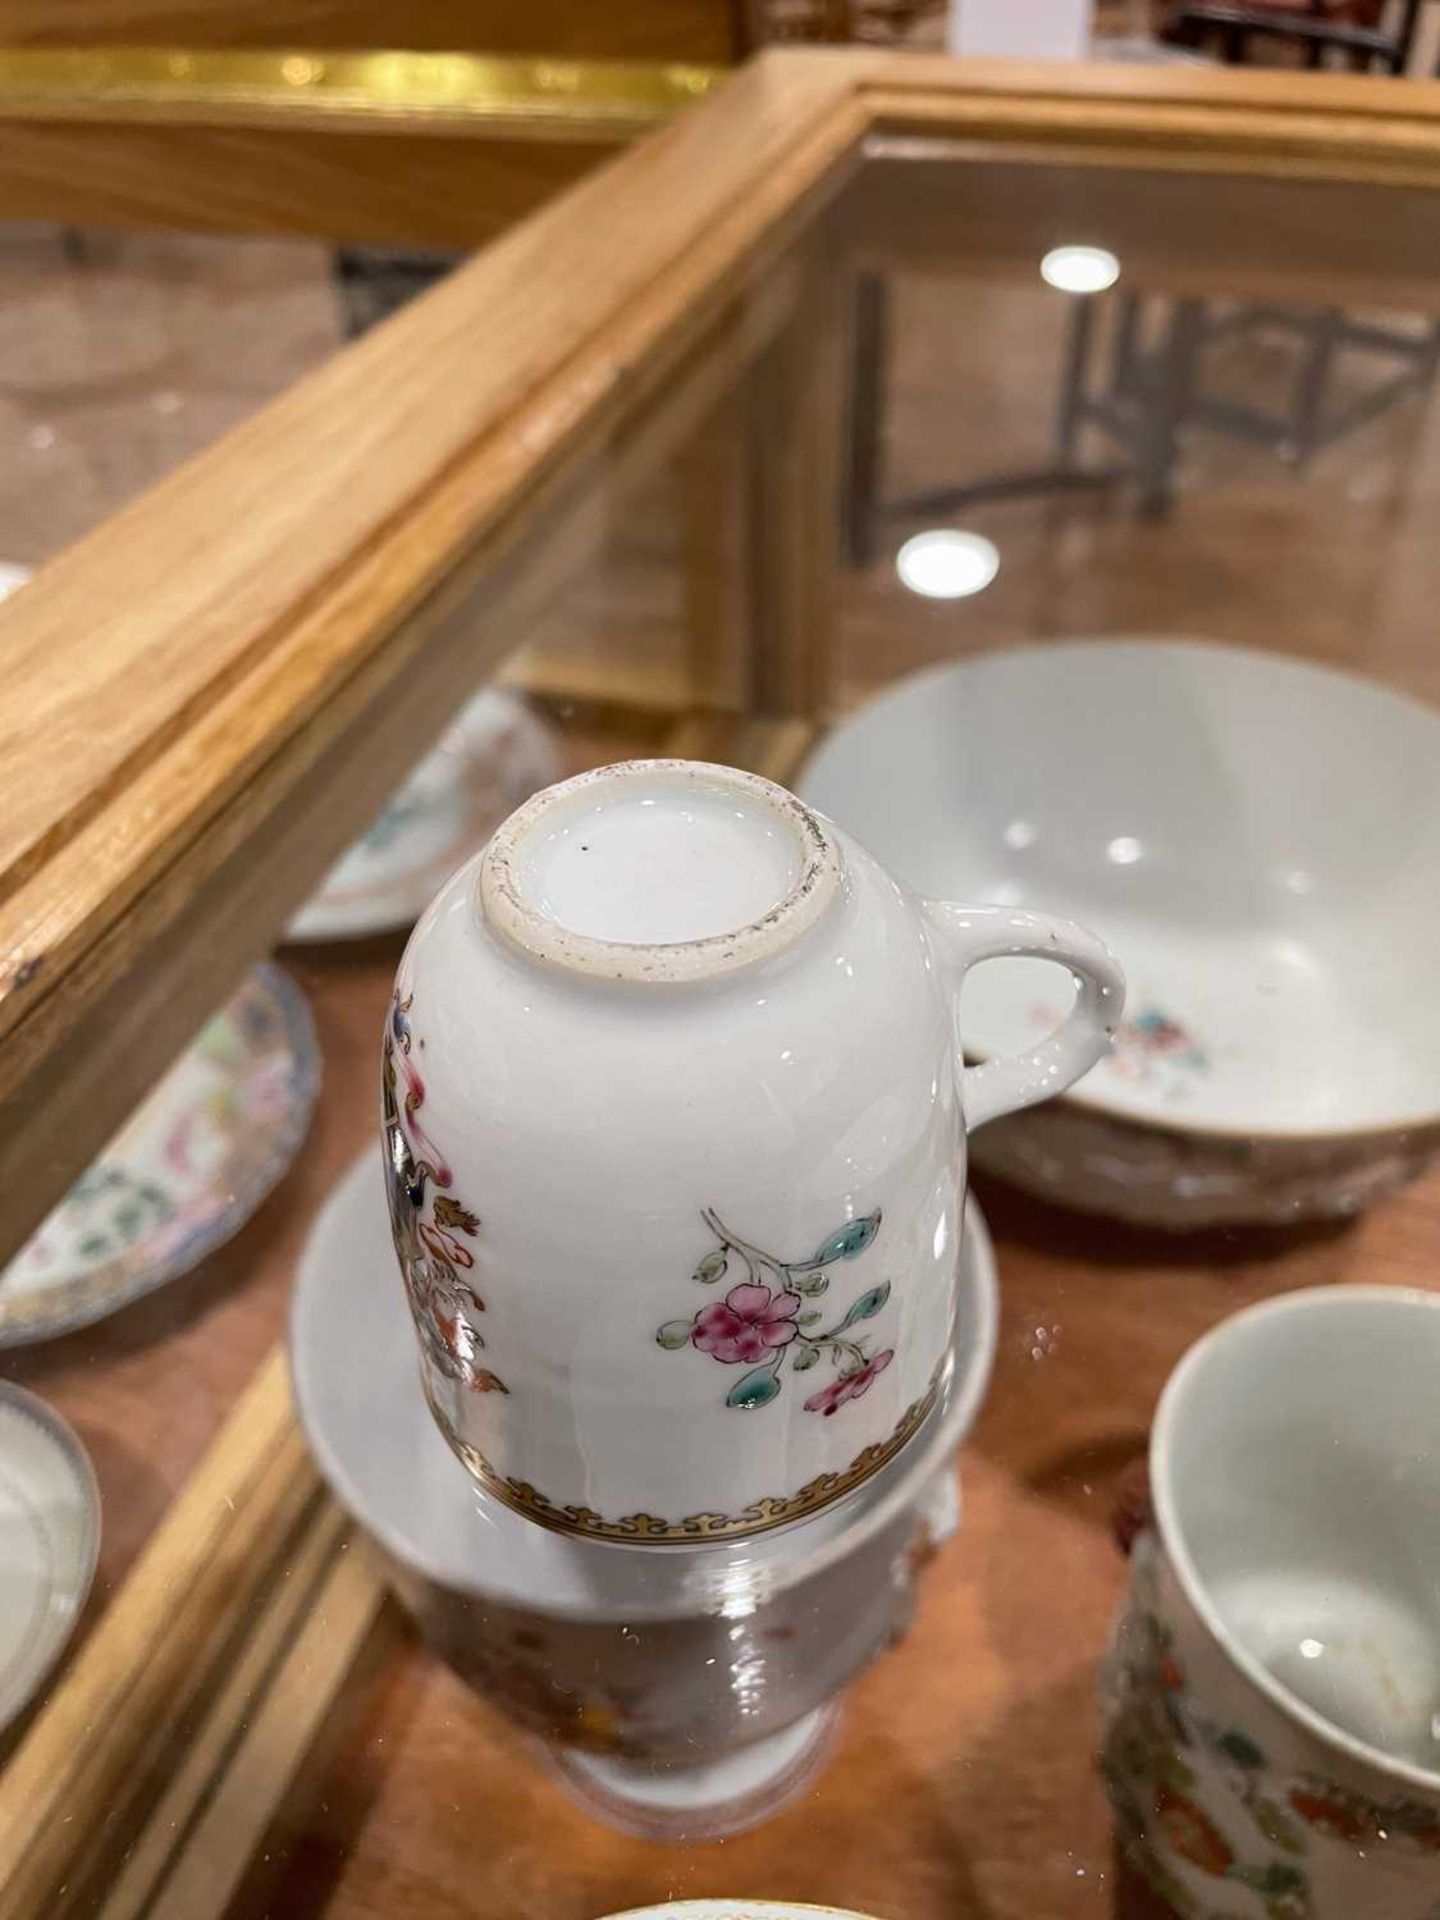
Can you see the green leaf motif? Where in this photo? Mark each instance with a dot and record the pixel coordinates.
(1241, 1749)
(812, 1283)
(867, 1306)
(674, 1335)
(755, 1389)
(805, 1357)
(1277, 1878)
(808, 1318)
(712, 1267)
(849, 1240)
(1276, 1827)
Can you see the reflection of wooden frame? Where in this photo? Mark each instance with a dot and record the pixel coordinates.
(407, 93)
(443, 149)
(710, 30)
(244, 660)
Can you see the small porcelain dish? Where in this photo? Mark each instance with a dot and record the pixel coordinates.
(495, 753)
(49, 1539)
(184, 1173)
(682, 1694)
(1260, 840)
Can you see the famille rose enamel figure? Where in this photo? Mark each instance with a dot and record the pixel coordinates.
(675, 1114)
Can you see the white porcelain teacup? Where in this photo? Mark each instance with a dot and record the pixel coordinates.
(675, 1117)
(1272, 1694)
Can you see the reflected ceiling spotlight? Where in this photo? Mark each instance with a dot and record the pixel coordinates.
(946, 564)
(1080, 269)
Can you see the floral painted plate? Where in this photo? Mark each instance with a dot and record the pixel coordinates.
(495, 754)
(49, 1537)
(184, 1173)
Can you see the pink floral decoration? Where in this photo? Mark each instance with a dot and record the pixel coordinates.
(849, 1386)
(747, 1324)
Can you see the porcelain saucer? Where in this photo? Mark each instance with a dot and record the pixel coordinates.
(1256, 837)
(184, 1173)
(49, 1539)
(494, 755)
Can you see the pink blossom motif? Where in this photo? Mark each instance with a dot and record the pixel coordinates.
(850, 1386)
(777, 1325)
(746, 1325)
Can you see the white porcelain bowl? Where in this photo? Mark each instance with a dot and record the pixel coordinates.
(1258, 840)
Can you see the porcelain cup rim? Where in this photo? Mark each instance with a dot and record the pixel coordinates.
(1170, 1411)
(504, 908)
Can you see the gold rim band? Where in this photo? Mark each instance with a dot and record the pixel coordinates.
(635, 1529)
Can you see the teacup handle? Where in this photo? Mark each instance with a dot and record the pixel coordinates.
(968, 935)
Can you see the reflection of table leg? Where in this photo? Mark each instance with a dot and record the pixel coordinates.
(869, 364)
(1122, 349)
(1323, 336)
(1024, 484)
(710, 472)
(1075, 381)
(864, 510)
(795, 463)
(1307, 424)
(1167, 386)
